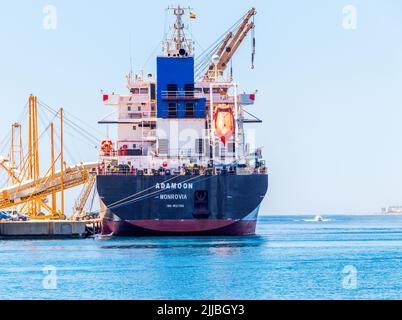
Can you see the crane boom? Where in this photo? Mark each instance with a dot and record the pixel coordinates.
(227, 50)
(224, 44)
(218, 53)
(243, 25)
(222, 65)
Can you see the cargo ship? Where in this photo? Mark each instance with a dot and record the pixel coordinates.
(181, 165)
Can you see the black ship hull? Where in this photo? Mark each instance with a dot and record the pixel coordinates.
(225, 205)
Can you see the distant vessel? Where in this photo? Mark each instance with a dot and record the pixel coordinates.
(318, 218)
(181, 164)
(392, 210)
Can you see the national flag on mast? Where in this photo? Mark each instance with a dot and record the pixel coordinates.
(193, 15)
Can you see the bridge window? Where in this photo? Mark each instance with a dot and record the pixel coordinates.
(189, 110)
(216, 90)
(189, 90)
(172, 110)
(135, 90)
(153, 91)
(172, 90)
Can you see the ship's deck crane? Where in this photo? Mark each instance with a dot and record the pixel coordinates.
(229, 47)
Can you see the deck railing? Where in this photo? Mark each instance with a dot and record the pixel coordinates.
(135, 115)
(181, 95)
(125, 170)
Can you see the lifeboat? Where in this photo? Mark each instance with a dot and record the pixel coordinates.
(224, 122)
(107, 147)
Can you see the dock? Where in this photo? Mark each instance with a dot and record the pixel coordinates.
(60, 229)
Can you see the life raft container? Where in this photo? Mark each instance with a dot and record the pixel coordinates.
(224, 122)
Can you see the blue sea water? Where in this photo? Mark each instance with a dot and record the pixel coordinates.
(292, 257)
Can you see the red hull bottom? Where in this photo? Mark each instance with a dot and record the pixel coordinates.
(144, 228)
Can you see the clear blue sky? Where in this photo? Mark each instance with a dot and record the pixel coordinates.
(331, 99)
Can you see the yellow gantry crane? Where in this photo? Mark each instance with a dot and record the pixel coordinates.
(29, 190)
(17, 151)
(229, 47)
(83, 198)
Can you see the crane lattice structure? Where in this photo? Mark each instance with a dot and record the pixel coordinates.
(29, 190)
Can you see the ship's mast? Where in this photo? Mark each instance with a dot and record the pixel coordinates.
(178, 44)
(179, 26)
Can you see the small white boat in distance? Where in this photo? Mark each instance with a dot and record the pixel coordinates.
(318, 218)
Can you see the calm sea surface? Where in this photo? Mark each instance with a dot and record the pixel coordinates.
(346, 257)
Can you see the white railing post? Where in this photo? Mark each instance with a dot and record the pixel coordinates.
(211, 114)
(236, 120)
